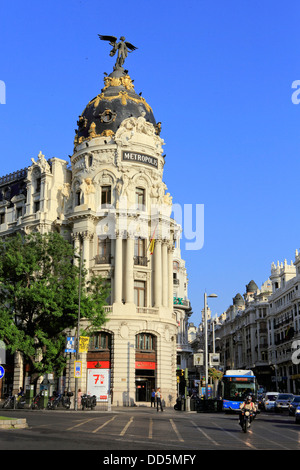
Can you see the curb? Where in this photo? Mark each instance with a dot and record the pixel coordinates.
(13, 423)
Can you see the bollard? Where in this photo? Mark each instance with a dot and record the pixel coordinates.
(188, 404)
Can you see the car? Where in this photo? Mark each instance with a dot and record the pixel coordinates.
(297, 415)
(294, 404)
(269, 400)
(283, 401)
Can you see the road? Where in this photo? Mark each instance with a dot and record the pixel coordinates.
(134, 429)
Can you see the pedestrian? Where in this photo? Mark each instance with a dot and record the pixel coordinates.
(158, 396)
(79, 395)
(153, 397)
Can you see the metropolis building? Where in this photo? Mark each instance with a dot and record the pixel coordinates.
(110, 201)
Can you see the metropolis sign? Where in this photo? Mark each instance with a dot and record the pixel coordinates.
(139, 158)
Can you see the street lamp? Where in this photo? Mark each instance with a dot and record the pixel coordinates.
(206, 345)
(78, 326)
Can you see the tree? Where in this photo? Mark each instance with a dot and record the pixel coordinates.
(39, 292)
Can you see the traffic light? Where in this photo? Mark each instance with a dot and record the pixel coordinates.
(180, 374)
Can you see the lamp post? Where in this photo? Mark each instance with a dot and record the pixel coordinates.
(78, 326)
(206, 343)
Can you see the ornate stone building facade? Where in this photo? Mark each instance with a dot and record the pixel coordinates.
(261, 330)
(110, 202)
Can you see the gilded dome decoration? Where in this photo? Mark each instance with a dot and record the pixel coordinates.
(117, 101)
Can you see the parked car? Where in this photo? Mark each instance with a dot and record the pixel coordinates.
(294, 404)
(297, 415)
(269, 400)
(283, 401)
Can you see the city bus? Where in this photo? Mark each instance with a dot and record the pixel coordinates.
(236, 385)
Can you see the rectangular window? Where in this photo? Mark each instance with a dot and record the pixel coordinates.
(36, 207)
(139, 252)
(140, 293)
(2, 218)
(105, 195)
(77, 198)
(19, 212)
(104, 251)
(140, 198)
(38, 185)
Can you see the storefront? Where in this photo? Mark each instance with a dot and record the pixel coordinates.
(145, 366)
(99, 366)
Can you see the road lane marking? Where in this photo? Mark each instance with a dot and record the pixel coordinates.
(204, 433)
(126, 427)
(232, 435)
(80, 424)
(104, 424)
(176, 431)
(150, 429)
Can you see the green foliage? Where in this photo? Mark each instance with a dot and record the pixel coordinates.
(215, 374)
(39, 296)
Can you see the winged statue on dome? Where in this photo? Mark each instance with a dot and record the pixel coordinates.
(122, 48)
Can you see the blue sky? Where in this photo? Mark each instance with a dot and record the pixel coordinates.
(218, 75)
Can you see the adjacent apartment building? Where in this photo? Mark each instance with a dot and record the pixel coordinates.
(261, 330)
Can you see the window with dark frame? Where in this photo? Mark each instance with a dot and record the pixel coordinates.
(100, 341)
(145, 342)
(139, 252)
(104, 251)
(77, 198)
(38, 185)
(36, 206)
(105, 195)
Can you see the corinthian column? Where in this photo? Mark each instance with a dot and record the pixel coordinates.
(157, 273)
(129, 268)
(165, 275)
(86, 247)
(118, 268)
(170, 277)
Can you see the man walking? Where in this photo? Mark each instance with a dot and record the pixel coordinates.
(158, 399)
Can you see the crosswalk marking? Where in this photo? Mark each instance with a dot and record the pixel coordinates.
(204, 433)
(80, 424)
(104, 424)
(126, 427)
(176, 431)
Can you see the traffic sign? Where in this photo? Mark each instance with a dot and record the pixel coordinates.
(78, 369)
(2, 372)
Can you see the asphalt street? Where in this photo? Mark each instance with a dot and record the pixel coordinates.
(136, 429)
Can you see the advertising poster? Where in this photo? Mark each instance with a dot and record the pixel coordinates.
(98, 383)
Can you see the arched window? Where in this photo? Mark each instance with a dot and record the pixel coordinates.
(100, 341)
(145, 342)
